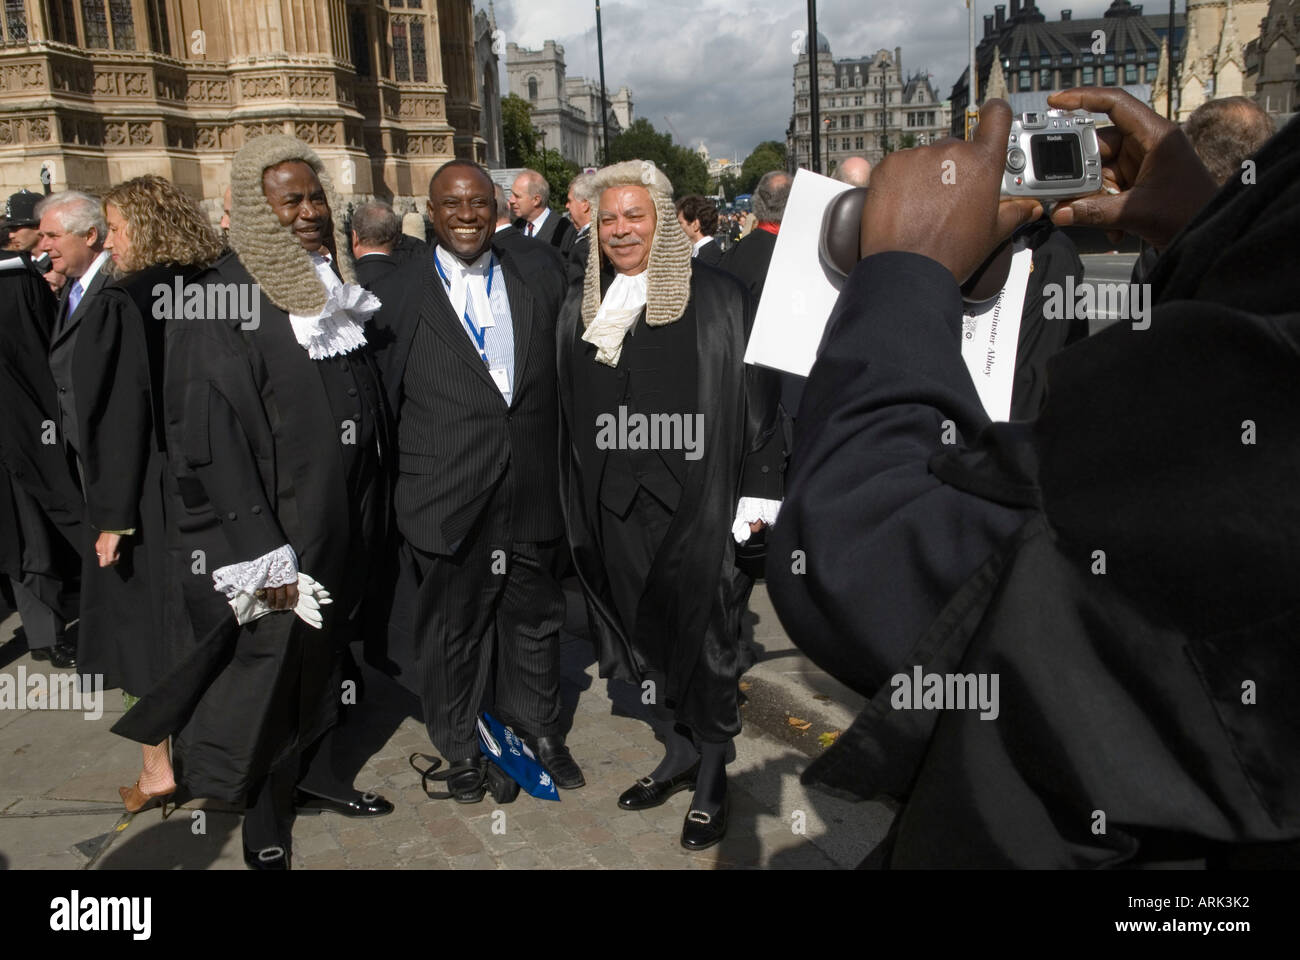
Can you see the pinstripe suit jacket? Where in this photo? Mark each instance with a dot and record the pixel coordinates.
(458, 441)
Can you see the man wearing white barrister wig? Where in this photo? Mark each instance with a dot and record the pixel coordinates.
(277, 437)
(671, 464)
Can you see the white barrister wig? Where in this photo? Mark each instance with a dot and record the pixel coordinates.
(669, 285)
(269, 251)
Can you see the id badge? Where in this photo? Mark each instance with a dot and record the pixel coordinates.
(501, 377)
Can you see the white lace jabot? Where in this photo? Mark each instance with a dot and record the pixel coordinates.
(623, 303)
(339, 326)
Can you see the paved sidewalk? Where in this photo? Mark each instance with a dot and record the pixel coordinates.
(59, 773)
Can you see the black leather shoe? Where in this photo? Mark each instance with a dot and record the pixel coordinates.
(647, 793)
(61, 656)
(559, 763)
(366, 805)
(701, 831)
(272, 858)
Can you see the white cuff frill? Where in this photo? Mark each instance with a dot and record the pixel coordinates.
(751, 510)
(275, 569)
(340, 325)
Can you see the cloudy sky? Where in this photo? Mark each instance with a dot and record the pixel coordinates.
(721, 70)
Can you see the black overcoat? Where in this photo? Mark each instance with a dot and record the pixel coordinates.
(41, 508)
(688, 622)
(1124, 564)
(256, 459)
(127, 612)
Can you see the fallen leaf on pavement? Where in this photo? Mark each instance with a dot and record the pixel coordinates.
(826, 739)
(799, 724)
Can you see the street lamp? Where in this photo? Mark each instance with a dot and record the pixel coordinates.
(826, 138)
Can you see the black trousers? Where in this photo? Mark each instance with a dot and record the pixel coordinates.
(492, 612)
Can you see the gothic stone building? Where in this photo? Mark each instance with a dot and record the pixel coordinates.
(566, 109)
(867, 107)
(100, 91)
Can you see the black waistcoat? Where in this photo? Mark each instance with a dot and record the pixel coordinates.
(656, 374)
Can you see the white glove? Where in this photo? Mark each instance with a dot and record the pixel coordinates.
(247, 607)
(311, 597)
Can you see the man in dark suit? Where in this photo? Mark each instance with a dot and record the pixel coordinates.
(749, 259)
(375, 229)
(579, 207)
(699, 219)
(507, 236)
(72, 233)
(1124, 562)
(40, 501)
(468, 360)
(530, 198)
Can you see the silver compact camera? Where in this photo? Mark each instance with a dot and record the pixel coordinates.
(1052, 156)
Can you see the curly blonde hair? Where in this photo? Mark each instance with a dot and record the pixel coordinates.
(165, 225)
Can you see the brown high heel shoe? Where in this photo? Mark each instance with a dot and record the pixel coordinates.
(136, 800)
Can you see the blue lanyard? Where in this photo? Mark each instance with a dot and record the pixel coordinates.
(480, 336)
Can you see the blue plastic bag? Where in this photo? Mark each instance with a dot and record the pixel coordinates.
(512, 755)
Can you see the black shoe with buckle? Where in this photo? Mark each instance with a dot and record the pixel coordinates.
(701, 830)
(464, 778)
(364, 806)
(559, 763)
(647, 793)
(270, 858)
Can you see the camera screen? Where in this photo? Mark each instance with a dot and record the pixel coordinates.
(1056, 156)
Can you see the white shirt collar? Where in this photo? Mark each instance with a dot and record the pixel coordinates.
(699, 244)
(467, 280)
(541, 219)
(500, 227)
(95, 265)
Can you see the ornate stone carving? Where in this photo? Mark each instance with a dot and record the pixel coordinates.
(208, 138)
(38, 130)
(254, 87)
(414, 107)
(19, 76)
(256, 129)
(115, 134)
(121, 83)
(314, 87)
(8, 132)
(315, 132)
(141, 134)
(207, 90)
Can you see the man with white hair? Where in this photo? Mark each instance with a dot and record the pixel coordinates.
(530, 198)
(72, 233)
(579, 207)
(668, 463)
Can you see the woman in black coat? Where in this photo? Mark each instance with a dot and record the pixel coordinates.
(130, 619)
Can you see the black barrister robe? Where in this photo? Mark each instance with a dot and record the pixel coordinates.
(127, 610)
(256, 443)
(1125, 563)
(40, 502)
(688, 621)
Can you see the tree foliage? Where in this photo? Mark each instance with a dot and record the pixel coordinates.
(684, 167)
(767, 156)
(522, 141)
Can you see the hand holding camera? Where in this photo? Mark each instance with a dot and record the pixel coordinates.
(1158, 181)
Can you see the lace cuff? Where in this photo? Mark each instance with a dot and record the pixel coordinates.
(275, 569)
(751, 510)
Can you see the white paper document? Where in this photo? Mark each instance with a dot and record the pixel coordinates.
(799, 292)
(989, 336)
